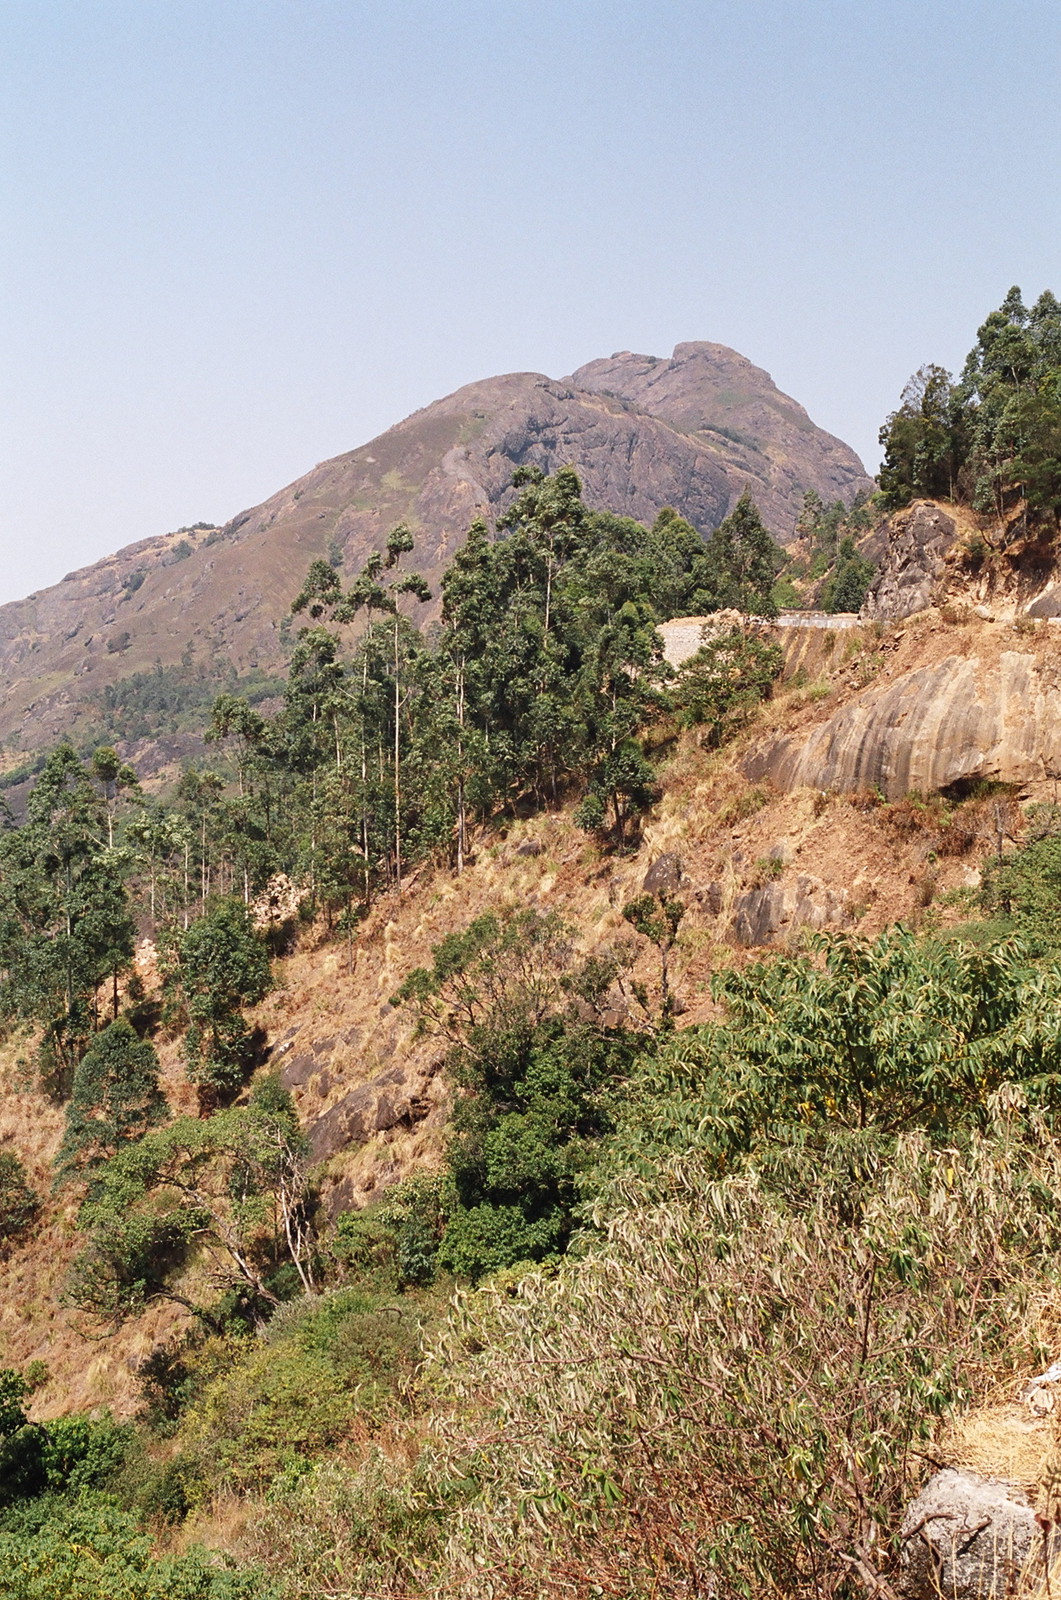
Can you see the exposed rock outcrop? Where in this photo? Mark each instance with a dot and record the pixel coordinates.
(913, 565)
(664, 876)
(932, 727)
(765, 915)
(967, 1538)
(394, 1098)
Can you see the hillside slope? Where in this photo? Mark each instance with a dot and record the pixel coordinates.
(754, 864)
(692, 432)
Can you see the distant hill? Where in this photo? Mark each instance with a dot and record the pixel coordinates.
(693, 432)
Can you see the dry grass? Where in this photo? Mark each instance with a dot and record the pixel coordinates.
(1003, 1441)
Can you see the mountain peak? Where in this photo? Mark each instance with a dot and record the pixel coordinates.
(692, 431)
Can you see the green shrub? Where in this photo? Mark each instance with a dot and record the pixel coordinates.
(81, 1453)
(59, 1551)
(325, 1365)
(722, 684)
(1026, 887)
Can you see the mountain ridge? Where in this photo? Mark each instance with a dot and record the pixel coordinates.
(636, 428)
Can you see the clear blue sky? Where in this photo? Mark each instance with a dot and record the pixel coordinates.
(240, 236)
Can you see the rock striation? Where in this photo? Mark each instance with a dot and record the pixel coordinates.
(954, 720)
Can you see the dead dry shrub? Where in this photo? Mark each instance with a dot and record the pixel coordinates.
(956, 838)
(916, 813)
(736, 1394)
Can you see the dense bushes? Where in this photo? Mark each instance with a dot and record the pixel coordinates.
(56, 1550)
(731, 1394)
(18, 1202)
(511, 1001)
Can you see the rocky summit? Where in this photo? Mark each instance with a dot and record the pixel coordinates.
(692, 431)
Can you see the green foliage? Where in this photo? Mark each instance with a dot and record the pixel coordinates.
(510, 999)
(720, 686)
(21, 1441)
(925, 441)
(87, 1551)
(235, 1185)
(1025, 887)
(64, 917)
(995, 436)
(325, 1368)
(115, 1098)
(743, 561)
(891, 1034)
(19, 1203)
(80, 1453)
(172, 699)
(657, 917)
(214, 968)
(849, 584)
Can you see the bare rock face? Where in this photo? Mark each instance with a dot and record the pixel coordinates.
(767, 914)
(930, 728)
(967, 1538)
(394, 1098)
(710, 393)
(913, 564)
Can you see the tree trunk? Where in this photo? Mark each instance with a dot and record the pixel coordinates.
(397, 768)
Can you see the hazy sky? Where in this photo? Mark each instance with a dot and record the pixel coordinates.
(241, 237)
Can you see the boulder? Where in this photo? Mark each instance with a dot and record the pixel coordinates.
(393, 1098)
(763, 915)
(967, 1538)
(664, 876)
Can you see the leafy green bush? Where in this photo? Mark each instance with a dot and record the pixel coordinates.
(212, 969)
(890, 1034)
(720, 686)
(81, 1453)
(510, 999)
(62, 1551)
(21, 1442)
(325, 1366)
(1025, 887)
(115, 1098)
(232, 1186)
